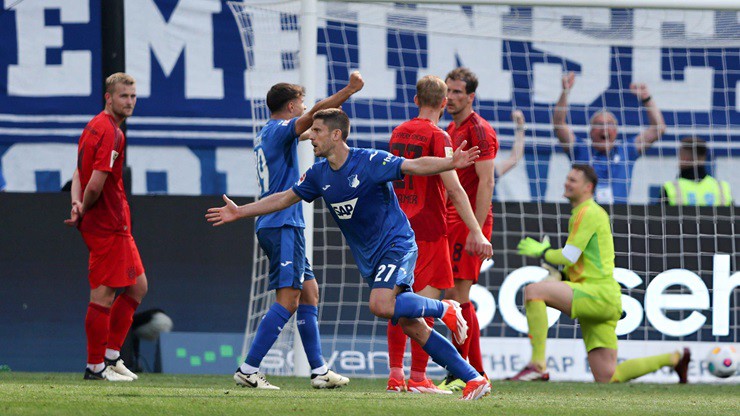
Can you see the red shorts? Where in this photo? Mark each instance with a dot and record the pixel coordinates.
(114, 260)
(464, 266)
(433, 267)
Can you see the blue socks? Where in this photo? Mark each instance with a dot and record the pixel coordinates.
(307, 318)
(411, 305)
(444, 354)
(267, 333)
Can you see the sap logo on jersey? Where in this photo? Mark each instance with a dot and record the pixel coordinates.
(344, 210)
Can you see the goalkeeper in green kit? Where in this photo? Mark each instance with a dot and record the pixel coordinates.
(589, 293)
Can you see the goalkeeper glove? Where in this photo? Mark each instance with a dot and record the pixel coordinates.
(533, 248)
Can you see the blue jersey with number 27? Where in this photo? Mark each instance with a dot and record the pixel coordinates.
(276, 151)
(360, 197)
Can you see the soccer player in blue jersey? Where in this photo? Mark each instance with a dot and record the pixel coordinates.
(280, 235)
(357, 186)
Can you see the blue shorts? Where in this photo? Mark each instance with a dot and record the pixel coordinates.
(394, 269)
(286, 249)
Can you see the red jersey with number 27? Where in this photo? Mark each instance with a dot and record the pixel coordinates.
(101, 148)
(422, 198)
(478, 132)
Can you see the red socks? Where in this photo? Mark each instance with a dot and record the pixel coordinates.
(474, 356)
(470, 349)
(396, 346)
(96, 327)
(121, 317)
(464, 348)
(419, 357)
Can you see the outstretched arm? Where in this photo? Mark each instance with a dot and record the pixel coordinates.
(231, 212)
(476, 243)
(562, 130)
(430, 165)
(306, 120)
(518, 149)
(657, 124)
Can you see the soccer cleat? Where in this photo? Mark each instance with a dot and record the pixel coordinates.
(106, 374)
(682, 368)
(454, 320)
(396, 386)
(530, 373)
(425, 386)
(254, 380)
(475, 389)
(118, 367)
(452, 383)
(328, 380)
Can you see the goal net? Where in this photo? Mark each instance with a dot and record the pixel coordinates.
(676, 264)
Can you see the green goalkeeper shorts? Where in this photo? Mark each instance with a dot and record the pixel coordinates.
(598, 310)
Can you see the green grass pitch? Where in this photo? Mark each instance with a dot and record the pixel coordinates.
(159, 394)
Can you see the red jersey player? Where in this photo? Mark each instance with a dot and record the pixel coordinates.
(101, 212)
(422, 198)
(478, 181)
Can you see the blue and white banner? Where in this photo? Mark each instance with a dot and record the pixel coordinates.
(193, 126)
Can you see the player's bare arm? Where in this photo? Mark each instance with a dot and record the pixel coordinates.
(93, 190)
(560, 125)
(336, 100)
(657, 124)
(430, 165)
(486, 181)
(517, 150)
(476, 243)
(76, 200)
(232, 212)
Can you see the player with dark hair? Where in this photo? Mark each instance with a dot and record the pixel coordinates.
(280, 234)
(590, 292)
(423, 200)
(100, 211)
(478, 181)
(356, 186)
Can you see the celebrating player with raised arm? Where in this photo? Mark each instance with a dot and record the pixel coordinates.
(356, 186)
(591, 293)
(423, 200)
(101, 212)
(478, 180)
(280, 235)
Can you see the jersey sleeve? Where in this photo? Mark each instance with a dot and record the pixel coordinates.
(108, 147)
(485, 138)
(383, 166)
(441, 145)
(307, 187)
(285, 131)
(584, 227)
(579, 151)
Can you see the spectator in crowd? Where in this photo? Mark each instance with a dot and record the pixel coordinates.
(517, 149)
(694, 186)
(613, 161)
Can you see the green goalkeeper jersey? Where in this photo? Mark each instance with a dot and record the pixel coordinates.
(590, 231)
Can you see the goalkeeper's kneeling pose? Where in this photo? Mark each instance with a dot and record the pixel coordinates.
(589, 293)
